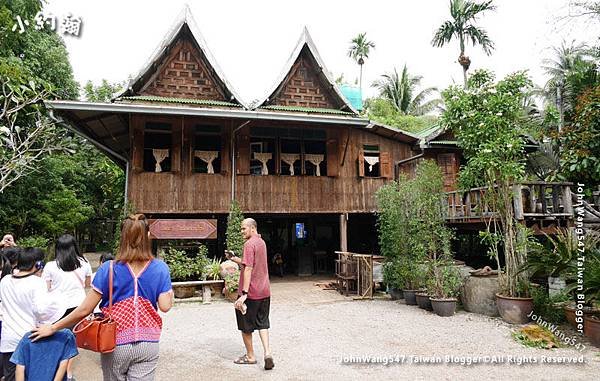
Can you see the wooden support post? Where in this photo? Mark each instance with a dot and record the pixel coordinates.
(518, 201)
(566, 199)
(344, 232)
(206, 294)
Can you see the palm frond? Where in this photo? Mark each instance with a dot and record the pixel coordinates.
(479, 36)
(444, 34)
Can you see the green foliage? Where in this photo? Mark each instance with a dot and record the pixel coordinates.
(232, 281)
(38, 55)
(184, 267)
(234, 238)
(103, 92)
(382, 111)
(445, 279)
(61, 212)
(360, 48)
(391, 274)
(488, 122)
(400, 91)
(549, 308)
(34, 241)
(213, 269)
(560, 260)
(580, 145)
(431, 235)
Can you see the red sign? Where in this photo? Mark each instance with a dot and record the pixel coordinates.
(183, 229)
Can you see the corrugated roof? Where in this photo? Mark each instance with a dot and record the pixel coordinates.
(444, 142)
(306, 39)
(310, 110)
(429, 131)
(203, 102)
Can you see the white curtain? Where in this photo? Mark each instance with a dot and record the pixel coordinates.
(264, 159)
(290, 159)
(371, 160)
(159, 156)
(208, 157)
(316, 160)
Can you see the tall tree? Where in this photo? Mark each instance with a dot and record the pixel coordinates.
(464, 14)
(401, 91)
(359, 50)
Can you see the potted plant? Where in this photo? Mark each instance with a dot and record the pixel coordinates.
(184, 267)
(232, 281)
(213, 272)
(486, 117)
(443, 286)
(591, 321)
(412, 275)
(391, 276)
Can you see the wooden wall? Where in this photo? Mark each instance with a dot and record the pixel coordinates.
(182, 191)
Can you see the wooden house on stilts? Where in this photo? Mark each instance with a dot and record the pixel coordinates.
(302, 162)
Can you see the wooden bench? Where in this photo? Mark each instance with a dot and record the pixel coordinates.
(206, 293)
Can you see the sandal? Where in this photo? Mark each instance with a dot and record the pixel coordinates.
(244, 360)
(269, 364)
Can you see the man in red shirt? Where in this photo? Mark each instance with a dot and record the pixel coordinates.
(254, 290)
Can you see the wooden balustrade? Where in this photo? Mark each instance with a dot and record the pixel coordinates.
(531, 200)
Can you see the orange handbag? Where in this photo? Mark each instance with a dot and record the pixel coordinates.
(98, 334)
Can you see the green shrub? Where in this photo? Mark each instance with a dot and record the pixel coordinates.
(445, 280)
(232, 281)
(549, 308)
(34, 241)
(184, 267)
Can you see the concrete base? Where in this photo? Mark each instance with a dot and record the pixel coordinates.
(478, 295)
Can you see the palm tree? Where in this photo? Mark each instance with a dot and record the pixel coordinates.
(400, 91)
(359, 50)
(568, 59)
(464, 13)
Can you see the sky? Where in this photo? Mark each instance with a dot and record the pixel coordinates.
(252, 40)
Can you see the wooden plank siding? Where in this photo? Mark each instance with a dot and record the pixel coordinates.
(198, 193)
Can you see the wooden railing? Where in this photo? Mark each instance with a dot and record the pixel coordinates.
(532, 200)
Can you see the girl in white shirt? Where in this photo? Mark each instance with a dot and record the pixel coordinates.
(26, 303)
(68, 276)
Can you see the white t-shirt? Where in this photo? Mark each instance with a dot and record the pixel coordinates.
(68, 284)
(26, 303)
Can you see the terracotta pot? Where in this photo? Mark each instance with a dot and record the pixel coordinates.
(423, 301)
(395, 293)
(409, 297)
(591, 328)
(183, 292)
(231, 296)
(217, 290)
(571, 316)
(514, 310)
(444, 307)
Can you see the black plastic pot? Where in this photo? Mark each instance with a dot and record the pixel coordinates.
(409, 297)
(444, 307)
(395, 293)
(423, 301)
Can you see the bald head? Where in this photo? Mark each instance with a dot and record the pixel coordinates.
(249, 227)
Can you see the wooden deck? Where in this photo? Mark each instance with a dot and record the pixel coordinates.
(533, 202)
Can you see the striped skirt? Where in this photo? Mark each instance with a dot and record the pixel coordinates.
(131, 362)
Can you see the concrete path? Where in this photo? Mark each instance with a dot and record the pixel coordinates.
(316, 333)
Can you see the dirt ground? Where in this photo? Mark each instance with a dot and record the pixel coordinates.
(315, 334)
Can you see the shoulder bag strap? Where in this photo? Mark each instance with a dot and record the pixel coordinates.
(110, 285)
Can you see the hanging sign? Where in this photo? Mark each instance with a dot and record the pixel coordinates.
(183, 229)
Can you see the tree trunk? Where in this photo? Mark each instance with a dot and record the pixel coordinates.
(360, 81)
(465, 76)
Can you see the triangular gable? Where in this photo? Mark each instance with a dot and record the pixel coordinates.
(306, 82)
(183, 67)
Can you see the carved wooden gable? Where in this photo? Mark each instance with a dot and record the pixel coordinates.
(184, 74)
(303, 87)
